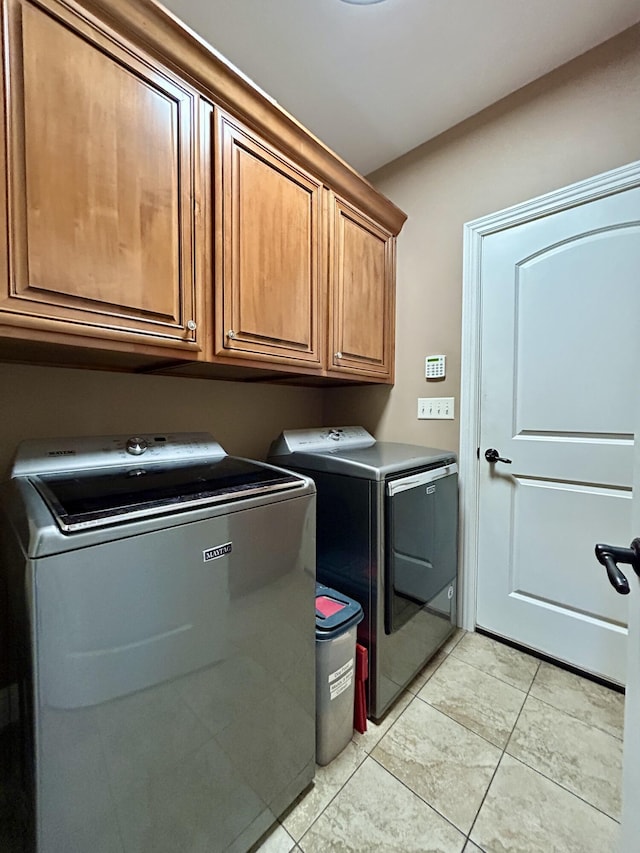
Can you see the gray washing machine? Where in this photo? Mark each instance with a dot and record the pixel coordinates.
(387, 524)
(163, 634)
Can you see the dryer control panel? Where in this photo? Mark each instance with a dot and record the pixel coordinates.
(321, 439)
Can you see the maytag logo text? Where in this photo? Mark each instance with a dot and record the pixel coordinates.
(218, 551)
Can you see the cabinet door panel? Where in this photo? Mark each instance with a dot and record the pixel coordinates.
(269, 265)
(362, 297)
(100, 182)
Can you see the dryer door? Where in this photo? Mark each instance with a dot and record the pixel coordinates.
(421, 547)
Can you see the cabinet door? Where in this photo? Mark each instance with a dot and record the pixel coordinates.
(100, 148)
(268, 252)
(362, 295)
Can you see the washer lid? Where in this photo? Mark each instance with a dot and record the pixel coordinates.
(99, 497)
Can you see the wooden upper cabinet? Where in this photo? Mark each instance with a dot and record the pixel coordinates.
(361, 294)
(100, 184)
(139, 218)
(268, 252)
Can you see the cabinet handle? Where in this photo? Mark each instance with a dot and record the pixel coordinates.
(231, 333)
(192, 325)
(338, 355)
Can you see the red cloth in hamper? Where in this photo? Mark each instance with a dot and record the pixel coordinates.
(360, 704)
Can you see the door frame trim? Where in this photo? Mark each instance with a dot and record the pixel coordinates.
(599, 186)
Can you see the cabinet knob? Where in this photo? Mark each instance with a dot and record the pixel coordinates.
(231, 333)
(337, 355)
(192, 325)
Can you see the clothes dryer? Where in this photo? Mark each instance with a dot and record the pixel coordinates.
(387, 519)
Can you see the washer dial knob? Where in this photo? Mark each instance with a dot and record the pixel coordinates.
(136, 445)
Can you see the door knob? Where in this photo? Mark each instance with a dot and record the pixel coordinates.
(611, 555)
(492, 455)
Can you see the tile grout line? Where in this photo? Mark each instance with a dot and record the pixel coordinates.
(431, 674)
(501, 757)
(573, 717)
(560, 785)
(520, 759)
(422, 799)
(391, 773)
(468, 728)
(550, 778)
(569, 669)
(497, 677)
(351, 775)
(528, 692)
(540, 662)
(319, 815)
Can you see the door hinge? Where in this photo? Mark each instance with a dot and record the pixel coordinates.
(478, 453)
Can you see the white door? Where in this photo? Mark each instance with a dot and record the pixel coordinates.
(560, 305)
(630, 833)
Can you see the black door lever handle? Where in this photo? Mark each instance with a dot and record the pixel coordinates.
(492, 455)
(611, 555)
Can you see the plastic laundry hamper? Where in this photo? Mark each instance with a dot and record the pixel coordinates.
(337, 617)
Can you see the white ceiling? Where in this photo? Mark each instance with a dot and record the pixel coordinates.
(373, 82)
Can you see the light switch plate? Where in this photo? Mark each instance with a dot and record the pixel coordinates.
(436, 408)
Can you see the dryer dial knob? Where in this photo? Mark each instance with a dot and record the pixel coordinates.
(136, 445)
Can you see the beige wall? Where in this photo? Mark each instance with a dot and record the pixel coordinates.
(577, 121)
(47, 401)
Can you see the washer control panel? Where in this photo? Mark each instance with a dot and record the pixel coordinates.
(46, 455)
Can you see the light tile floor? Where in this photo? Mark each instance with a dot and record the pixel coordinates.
(489, 749)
